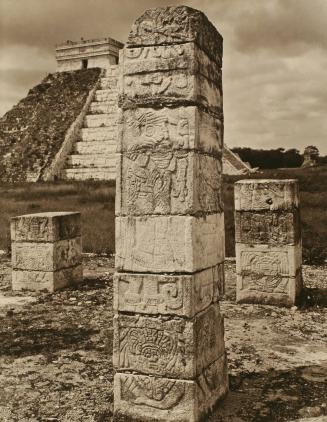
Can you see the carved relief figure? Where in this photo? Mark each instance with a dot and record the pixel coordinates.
(265, 271)
(156, 170)
(154, 392)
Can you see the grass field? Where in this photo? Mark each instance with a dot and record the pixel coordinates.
(95, 200)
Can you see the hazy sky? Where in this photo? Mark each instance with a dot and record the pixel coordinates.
(275, 58)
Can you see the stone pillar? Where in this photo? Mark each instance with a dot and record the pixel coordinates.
(169, 351)
(268, 242)
(46, 251)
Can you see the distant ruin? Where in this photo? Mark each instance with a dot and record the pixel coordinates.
(66, 127)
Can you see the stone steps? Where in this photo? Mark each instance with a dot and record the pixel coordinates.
(100, 120)
(110, 82)
(109, 106)
(95, 147)
(99, 134)
(91, 160)
(94, 153)
(102, 95)
(89, 173)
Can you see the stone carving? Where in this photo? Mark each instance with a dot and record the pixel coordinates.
(268, 241)
(184, 295)
(160, 182)
(168, 347)
(46, 251)
(169, 243)
(168, 329)
(185, 25)
(265, 194)
(156, 393)
(270, 228)
(185, 128)
(163, 58)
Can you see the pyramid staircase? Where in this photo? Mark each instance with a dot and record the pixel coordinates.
(94, 153)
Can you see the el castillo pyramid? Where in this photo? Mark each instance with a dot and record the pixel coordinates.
(66, 127)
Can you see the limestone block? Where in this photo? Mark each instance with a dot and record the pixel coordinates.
(168, 182)
(268, 227)
(110, 106)
(43, 256)
(181, 295)
(92, 160)
(99, 134)
(185, 128)
(97, 120)
(275, 289)
(269, 263)
(45, 227)
(96, 147)
(169, 243)
(168, 346)
(46, 280)
(106, 94)
(266, 195)
(188, 58)
(107, 173)
(174, 25)
(170, 400)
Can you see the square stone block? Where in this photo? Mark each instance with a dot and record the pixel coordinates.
(182, 128)
(269, 290)
(269, 261)
(46, 227)
(168, 182)
(162, 58)
(168, 346)
(46, 280)
(169, 243)
(39, 256)
(181, 295)
(266, 194)
(268, 227)
(170, 400)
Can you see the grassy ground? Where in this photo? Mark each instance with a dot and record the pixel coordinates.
(96, 202)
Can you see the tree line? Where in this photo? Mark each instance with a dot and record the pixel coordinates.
(274, 158)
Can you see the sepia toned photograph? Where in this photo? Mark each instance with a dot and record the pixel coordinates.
(163, 211)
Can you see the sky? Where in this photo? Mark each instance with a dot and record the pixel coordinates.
(274, 67)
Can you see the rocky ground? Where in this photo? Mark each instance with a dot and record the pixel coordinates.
(55, 357)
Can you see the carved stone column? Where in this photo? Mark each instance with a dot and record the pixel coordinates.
(169, 351)
(268, 241)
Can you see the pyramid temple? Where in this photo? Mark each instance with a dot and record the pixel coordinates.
(67, 126)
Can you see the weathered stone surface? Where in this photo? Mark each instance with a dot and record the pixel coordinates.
(181, 295)
(171, 400)
(270, 289)
(46, 256)
(45, 227)
(166, 346)
(184, 128)
(269, 227)
(169, 243)
(177, 57)
(46, 280)
(255, 195)
(165, 181)
(174, 25)
(268, 260)
(267, 274)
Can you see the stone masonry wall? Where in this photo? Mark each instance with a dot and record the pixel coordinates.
(169, 350)
(268, 241)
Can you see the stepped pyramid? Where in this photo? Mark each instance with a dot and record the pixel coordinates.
(66, 127)
(94, 152)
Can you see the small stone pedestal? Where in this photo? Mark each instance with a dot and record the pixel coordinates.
(268, 242)
(46, 251)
